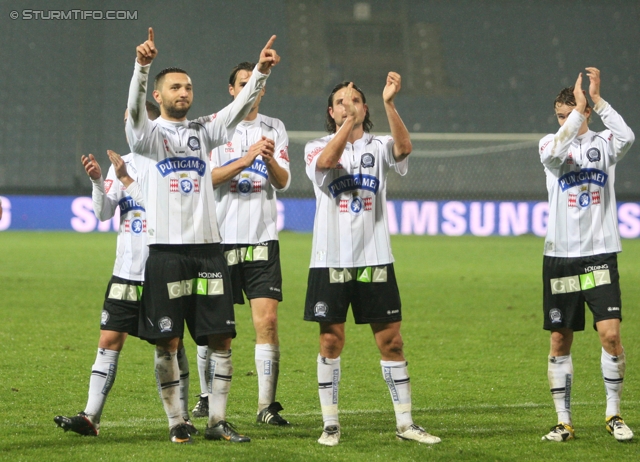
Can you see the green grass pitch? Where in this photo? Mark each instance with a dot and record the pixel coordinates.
(473, 339)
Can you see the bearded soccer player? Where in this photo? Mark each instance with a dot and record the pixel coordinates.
(580, 252)
(351, 260)
(246, 173)
(186, 277)
(121, 308)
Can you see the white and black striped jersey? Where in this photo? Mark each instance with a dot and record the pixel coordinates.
(175, 172)
(108, 195)
(350, 226)
(246, 205)
(580, 170)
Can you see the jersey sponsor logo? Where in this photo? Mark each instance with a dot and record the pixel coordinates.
(367, 160)
(320, 310)
(570, 159)
(193, 143)
(127, 204)
(284, 153)
(229, 148)
(313, 154)
(104, 319)
(555, 316)
(544, 145)
(584, 176)
(165, 324)
(613, 308)
(580, 282)
(258, 167)
(249, 253)
(107, 185)
(347, 183)
(588, 269)
(203, 274)
(181, 164)
(593, 155)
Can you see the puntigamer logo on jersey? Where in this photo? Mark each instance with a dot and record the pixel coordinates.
(584, 176)
(181, 164)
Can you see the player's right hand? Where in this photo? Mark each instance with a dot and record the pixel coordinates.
(91, 166)
(579, 95)
(265, 148)
(146, 52)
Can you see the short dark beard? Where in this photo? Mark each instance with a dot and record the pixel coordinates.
(175, 113)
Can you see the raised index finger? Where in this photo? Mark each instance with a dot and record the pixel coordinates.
(151, 34)
(270, 42)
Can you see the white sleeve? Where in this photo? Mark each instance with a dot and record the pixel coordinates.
(623, 136)
(312, 151)
(138, 126)
(135, 191)
(220, 126)
(282, 154)
(105, 196)
(401, 167)
(555, 148)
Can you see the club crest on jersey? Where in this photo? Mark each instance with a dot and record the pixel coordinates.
(244, 186)
(555, 316)
(320, 310)
(356, 206)
(186, 185)
(367, 160)
(165, 324)
(137, 226)
(584, 199)
(193, 143)
(593, 155)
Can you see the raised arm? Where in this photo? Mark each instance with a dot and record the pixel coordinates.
(402, 146)
(623, 136)
(554, 149)
(120, 168)
(333, 150)
(102, 193)
(138, 120)
(235, 112)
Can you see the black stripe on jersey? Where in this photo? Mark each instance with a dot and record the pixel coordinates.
(608, 380)
(558, 390)
(184, 376)
(401, 381)
(193, 122)
(325, 385)
(99, 373)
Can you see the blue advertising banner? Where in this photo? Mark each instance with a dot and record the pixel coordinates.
(451, 218)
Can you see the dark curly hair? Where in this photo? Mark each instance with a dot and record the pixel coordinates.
(330, 124)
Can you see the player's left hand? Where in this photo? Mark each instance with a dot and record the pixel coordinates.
(268, 57)
(91, 166)
(594, 84)
(119, 165)
(392, 88)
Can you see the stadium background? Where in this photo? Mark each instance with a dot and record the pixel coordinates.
(468, 67)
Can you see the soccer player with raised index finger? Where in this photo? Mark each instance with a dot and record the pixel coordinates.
(351, 259)
(580, 250)
(186, 277)
(247, 172)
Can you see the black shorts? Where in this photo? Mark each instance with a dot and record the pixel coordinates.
(570, 282)
(186, 283)
(255, 270)
(372, 292)
(121, 309)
